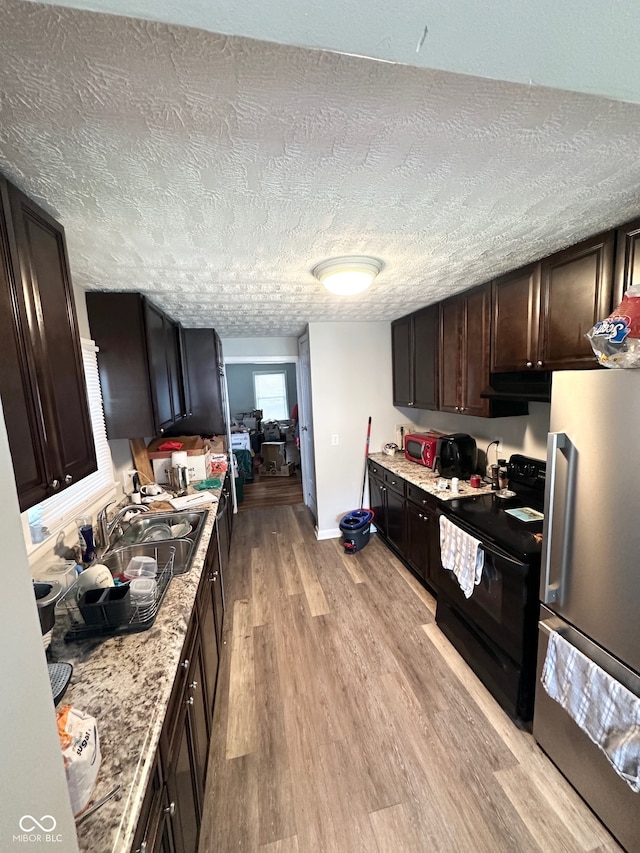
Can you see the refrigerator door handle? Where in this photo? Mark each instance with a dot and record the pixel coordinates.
(553, 570)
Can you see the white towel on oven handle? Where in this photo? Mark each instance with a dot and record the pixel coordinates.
(604, 709)
(461, 554)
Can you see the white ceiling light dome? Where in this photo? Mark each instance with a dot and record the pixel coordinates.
(349, 274)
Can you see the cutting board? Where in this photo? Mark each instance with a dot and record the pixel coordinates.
(140, 459)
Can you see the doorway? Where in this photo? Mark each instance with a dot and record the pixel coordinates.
(270, 458)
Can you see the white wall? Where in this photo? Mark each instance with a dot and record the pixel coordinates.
(350, 380)
(32, 778)
(259, 347)
(527, 434)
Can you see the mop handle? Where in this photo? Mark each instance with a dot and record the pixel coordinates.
(366, 456)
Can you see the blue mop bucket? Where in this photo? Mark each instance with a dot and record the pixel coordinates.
(356, 528)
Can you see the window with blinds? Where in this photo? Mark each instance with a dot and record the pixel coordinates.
(60, 510)
(270, 391)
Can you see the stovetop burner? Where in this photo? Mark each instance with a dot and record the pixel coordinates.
(487, 518)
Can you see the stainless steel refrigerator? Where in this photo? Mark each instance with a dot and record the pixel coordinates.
(590, 584)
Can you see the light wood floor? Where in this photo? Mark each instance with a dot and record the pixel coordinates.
(346, 722)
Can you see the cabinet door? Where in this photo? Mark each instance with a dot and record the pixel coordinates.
(198, 720)
(377, 502)
(175, 370)
(425, 357)
(18, 382)
(206, 415)
(516, 314)
(417, 551)
(627, 261)
(154, 833)
(208, 629)
(576, 292)
(401, 352)
(450, 324)
(475, 352)
(158, 367)
(181, 786)
(395, 519)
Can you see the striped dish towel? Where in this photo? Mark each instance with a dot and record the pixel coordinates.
(602, 707)
(461, 554)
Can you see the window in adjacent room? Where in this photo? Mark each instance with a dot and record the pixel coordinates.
(270, 389)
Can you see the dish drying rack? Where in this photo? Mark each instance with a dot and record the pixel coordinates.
(129, 619)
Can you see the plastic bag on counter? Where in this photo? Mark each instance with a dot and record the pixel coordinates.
(616, 340)
(80, 744)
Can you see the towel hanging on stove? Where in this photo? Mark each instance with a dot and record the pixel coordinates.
(602, 707)
(461, 554)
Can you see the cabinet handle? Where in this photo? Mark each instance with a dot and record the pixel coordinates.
(170, 809)
(462, 408)
(193, 685)
(539, 363)
(142, 848)
(55, 484)
(185, 663)
(189, 701)
(161, 431)
(529, 364)
(68, 479)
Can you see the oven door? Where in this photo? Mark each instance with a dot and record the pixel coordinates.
(501, 604)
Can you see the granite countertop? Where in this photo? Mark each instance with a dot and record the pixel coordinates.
(425, 478)
(125, 682)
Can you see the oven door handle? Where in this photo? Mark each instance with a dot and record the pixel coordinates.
(486, 547)
(557, 520)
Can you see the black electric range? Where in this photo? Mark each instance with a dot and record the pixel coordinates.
(488, 517)
(495, 629)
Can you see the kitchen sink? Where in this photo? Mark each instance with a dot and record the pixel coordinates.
(150, 535)
(160, 526)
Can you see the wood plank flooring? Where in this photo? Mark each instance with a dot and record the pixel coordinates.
(267, 491)
(346, 723)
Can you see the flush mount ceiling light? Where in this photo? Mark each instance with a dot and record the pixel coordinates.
(347, 275)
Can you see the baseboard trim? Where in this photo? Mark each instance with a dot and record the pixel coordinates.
(329, 533)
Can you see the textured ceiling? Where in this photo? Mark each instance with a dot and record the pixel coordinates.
(213, 172)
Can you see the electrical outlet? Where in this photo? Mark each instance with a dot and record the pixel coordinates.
(401, 430)
(335, 440)
(499, 442)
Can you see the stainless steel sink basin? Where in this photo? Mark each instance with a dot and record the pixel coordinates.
(143, 537)
(144, 527)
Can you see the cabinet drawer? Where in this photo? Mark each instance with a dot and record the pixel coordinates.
(179, 689)
(421, 498)
(376, 470)
(394, 482)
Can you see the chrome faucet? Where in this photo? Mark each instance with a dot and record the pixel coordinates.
(106, 527)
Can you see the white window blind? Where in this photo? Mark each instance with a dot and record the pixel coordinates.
(60, 510)
(271, 395)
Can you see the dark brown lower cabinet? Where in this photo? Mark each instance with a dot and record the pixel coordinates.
(422, 534)
(406, 518)
(172, 810)
(155, 830)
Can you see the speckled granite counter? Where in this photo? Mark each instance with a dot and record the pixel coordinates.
(425, 478)
(125, 683)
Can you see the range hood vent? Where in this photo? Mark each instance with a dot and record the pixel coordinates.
(534, 386)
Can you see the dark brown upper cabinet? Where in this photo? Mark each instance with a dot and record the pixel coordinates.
(42, 382)
(414, 347)
(627, 263)
(141, 365)
(542, 312)
(204, 369)
(464, 352)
